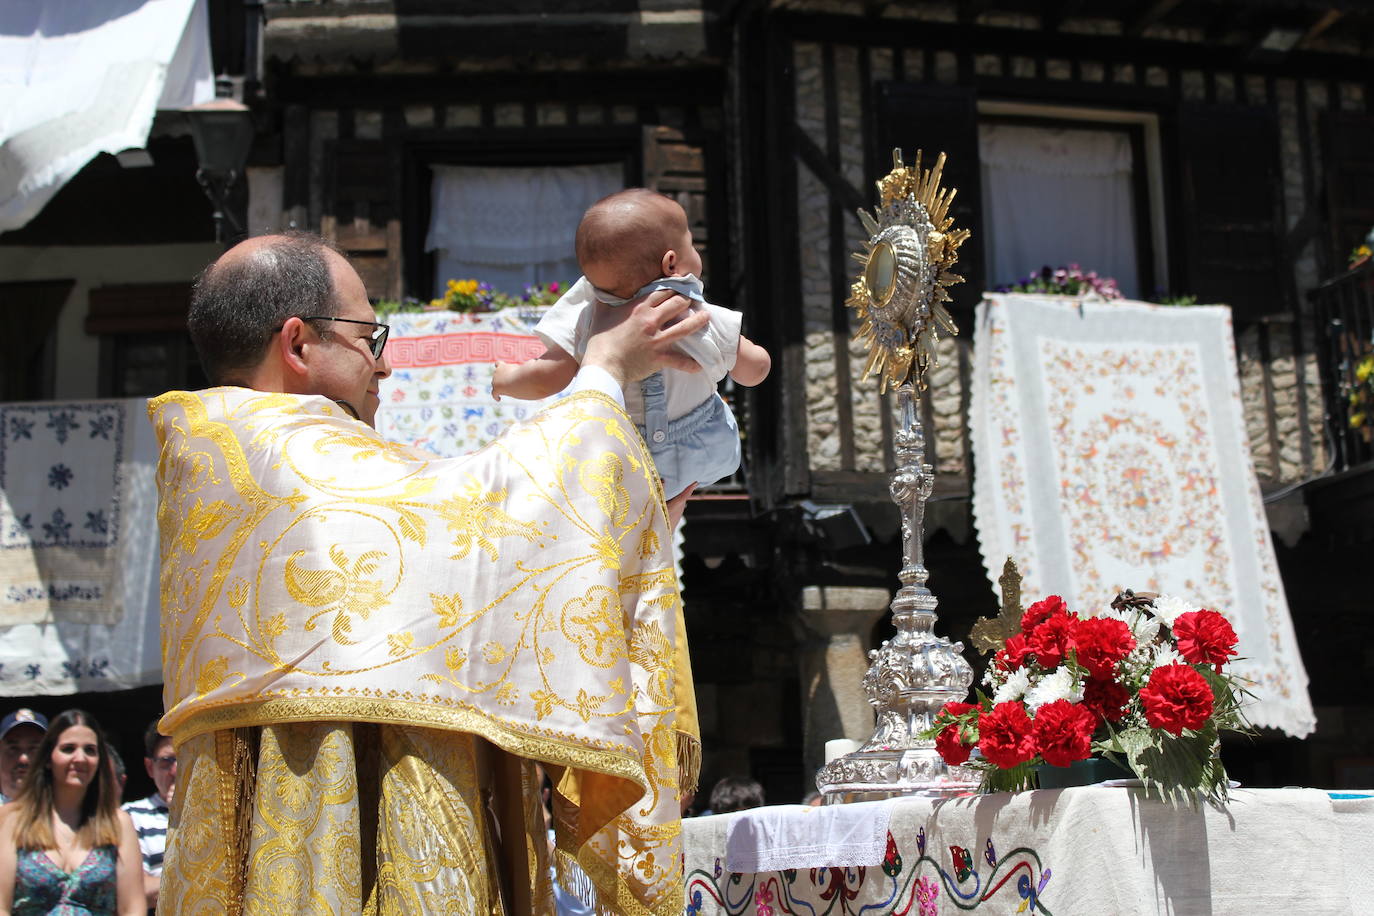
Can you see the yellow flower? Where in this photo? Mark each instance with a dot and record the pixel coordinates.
(1365, 368)
(465, 287)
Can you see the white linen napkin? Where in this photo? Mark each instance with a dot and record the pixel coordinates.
(797, 836)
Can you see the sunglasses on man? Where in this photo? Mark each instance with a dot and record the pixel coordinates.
(376, 343)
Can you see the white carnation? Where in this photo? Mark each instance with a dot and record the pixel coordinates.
(1018, 682)
(1058, 686)
(1165, 655)
(1168, 608)
(1144, 628)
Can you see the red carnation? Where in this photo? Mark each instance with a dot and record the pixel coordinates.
(949, 742)
(1052, 640)
(951, 746)
(1064, 732)
(1176, 698)
(1013, 655)
(1106, 699)
(1041, 611)
(1006, 735)
(954, 708)
(1205, 638)
(1102, 642)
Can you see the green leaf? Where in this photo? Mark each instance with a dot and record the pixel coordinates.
(1177, 769)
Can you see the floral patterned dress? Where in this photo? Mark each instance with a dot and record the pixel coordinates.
(40, 887)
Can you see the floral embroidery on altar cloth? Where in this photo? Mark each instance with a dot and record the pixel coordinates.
(958, 882)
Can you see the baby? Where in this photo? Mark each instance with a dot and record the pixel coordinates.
(628, 245)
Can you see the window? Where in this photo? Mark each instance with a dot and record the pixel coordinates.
(510, 227)
(1055, 195)
(29, 347)
(1063, 185)
(144, 347)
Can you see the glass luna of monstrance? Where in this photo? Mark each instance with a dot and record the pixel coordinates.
(900, 298)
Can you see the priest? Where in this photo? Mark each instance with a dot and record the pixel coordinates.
(367, 650)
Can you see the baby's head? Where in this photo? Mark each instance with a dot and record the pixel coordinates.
(634, 237)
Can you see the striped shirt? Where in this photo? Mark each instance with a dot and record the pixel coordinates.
(150, 823)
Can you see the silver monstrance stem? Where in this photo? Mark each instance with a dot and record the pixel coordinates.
(916, 672)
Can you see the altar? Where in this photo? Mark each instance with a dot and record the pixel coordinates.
(1095, 849)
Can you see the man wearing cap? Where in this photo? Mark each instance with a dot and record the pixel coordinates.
(20, 734)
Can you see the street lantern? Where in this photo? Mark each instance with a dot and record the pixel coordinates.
(223, 133)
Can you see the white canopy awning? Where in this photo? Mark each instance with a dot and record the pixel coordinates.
(78, 79)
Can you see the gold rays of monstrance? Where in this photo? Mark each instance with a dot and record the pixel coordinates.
(900, 298)
(900, 293)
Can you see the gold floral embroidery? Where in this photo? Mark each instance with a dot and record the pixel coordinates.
(476, 519)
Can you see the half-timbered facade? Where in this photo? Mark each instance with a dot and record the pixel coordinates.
(1240, 132)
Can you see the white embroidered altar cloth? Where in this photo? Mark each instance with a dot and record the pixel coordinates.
(78, 547)
(1110, 452)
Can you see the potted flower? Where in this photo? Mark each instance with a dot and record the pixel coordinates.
(1070, 280)
(1142, 684)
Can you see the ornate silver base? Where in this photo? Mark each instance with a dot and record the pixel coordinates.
(876, 775)
(913, 674)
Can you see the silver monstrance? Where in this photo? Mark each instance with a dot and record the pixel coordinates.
(900, 296)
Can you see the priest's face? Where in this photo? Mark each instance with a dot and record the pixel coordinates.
(347, 371)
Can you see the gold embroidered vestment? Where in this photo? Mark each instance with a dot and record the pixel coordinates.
(345, 621)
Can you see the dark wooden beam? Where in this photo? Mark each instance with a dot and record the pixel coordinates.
(1152, 12)
(816, 160)
(1325, 21)
(971, 10)
(1057, 11)
(1142, 52)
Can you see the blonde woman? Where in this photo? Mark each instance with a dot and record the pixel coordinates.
(65, 847)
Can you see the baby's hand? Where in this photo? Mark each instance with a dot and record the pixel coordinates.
(501, 378)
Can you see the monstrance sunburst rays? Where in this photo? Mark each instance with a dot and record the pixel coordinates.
(900, 293)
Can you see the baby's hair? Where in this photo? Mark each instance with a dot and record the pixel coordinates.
(627, 233)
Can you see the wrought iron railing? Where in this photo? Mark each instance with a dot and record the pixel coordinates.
(1343, 317)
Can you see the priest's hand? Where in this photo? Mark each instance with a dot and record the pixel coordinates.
(635, 340)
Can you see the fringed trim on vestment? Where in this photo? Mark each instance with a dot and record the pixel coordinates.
(573, 881)
(688, 763)
(237, 750)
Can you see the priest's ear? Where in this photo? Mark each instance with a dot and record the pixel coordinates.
(292, 345)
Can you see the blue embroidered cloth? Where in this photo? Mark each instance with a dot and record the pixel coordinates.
(78, 547)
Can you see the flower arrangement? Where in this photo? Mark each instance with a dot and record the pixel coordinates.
(1143, 684)
(1064, 281)
(1362, 390)
(476, 296)
(1359, 254)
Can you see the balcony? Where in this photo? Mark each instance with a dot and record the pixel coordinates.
(1343, 318)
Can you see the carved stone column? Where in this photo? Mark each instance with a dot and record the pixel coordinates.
(837, 621)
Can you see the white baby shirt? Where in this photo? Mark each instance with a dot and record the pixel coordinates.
(567, 325)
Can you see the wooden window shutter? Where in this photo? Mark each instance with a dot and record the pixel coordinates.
(677, 168)
(1231, 220)
(939, 119)
(361, 214)
(1348, 141)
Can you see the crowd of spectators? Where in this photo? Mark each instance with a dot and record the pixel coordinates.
(68, 840)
